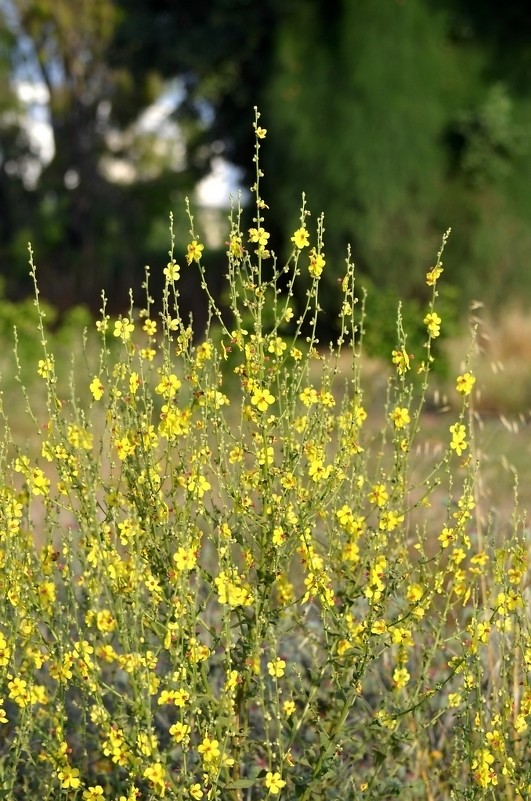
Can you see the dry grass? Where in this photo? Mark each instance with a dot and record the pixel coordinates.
(501, 361)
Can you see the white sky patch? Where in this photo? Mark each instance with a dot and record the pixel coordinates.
(214, 191)
(223, 182)
(32, 94)
(36, 120)
(156, 118)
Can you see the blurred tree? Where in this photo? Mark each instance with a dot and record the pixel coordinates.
(486, 187)
(397, 117)
(223, 52)
(104, 62)
(89, 224)
(501, 31)
(14, 149)
(357, 106)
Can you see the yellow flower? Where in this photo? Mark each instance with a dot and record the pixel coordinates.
(147, 743)
(258, 236)
(481, 632)
(155, 774)
(327, 399)
(277, 346)
(46, 592)
(465, 383)
(45, 367)
(378, 495)
(18, 691)
(97, 388)
(171, 323)
(274, 782)
(171, 271)
(261, 132)
(317, 263)
(205, 351)
(446, 537)
(194, 251)
(359, 414)
(209, 749)
(266, 456)
(386, 720)
(401, 677)
(93, 793)
(235, 246)
(483, 772)
(179, 731)
(38, 482)
(105, 620)
(69, 777)
(296, 354)
(236, 454)
(379, 627)
(168, 386)
(390, 520)
(317, 469)
(276, 668)
(433, 322)
(458, 443)
(185, 558)
(514, 575)
(400, 417)
(345, 516)
(134, 383)
(402, 636)
(495, 740)
(198, 485)
(123, 329)
(288, 707)
(520, 724)
(300, 238)
(454, 700)
(262, 399)
(309, 396)
(231, 590)
(102, 325)
(401, 359)
(195, 791)
(433, 275)
(150, 327)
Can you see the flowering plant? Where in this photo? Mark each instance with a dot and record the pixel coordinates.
(231, 589)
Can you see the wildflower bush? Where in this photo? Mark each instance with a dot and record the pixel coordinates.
(220, 581)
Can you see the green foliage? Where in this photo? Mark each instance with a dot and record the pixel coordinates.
(397, 124)
(23, 317)
(366, 153)
(21, 350)
(491, 140)
(248, 589)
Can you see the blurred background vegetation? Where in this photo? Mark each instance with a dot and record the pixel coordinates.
(398, 118)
